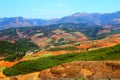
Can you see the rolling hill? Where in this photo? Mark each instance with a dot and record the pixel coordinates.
(28, 39)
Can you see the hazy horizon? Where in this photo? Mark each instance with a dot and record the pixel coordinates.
(44, 9)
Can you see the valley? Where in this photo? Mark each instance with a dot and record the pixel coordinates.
(71, 48)
(79, 46)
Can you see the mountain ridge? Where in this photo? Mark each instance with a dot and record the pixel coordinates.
(89, 18)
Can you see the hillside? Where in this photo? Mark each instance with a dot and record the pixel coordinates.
(92, 32)
(25, 67)
(69, 35)
(51, 44)
(45, 37)
(80, 70)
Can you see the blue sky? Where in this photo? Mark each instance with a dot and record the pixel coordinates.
(47, 9)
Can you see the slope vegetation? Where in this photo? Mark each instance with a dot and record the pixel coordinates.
(15, 51)
(112, 53)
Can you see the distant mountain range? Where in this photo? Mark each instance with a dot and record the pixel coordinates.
(92, 19)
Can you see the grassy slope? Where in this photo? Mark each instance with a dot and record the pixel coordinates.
(112, 53)
(1, 69)
(29, 57)
(63, 48)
